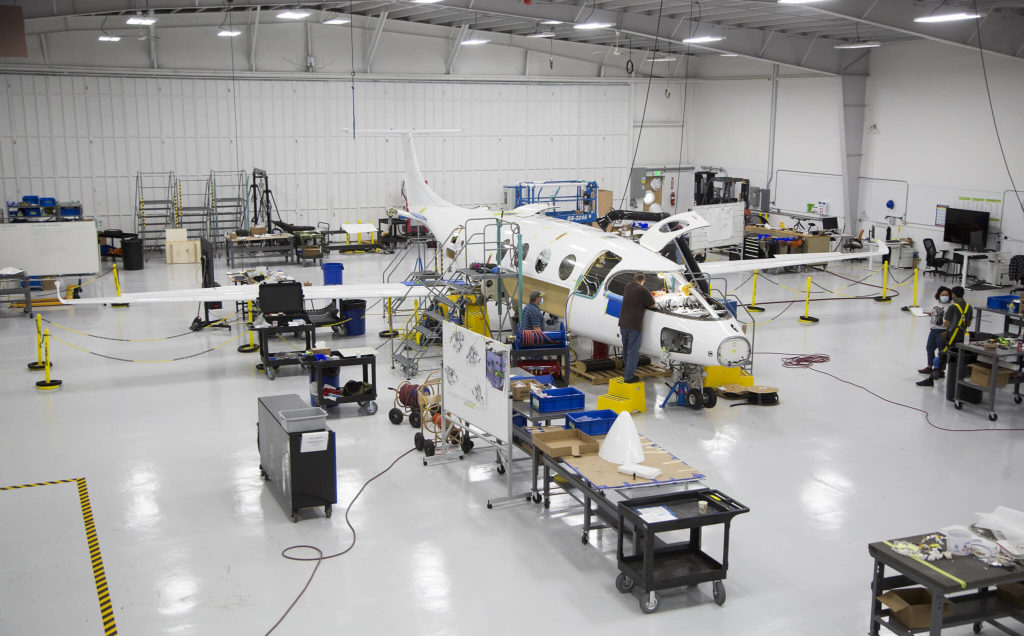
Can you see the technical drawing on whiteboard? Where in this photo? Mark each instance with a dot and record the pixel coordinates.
(473, 356)
(457, 340)
(451, 375)
(479, 396)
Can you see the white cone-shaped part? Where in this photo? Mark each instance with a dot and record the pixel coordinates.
(622, 444)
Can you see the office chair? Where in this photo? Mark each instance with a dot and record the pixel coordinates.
(934, 259)
(1017, 271)
(855, 243)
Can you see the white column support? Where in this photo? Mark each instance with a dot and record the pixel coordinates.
(152, 46)
(252, 44)
(851, 143)
(449, 65)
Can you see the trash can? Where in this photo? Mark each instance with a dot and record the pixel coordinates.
(131, 250)
(330, 377)
(332, 273)
(353, 312)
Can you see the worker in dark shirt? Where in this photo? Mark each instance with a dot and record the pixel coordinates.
(958, 320)
(532, 316)
(635, 299)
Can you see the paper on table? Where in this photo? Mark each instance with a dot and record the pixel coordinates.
(654, 514)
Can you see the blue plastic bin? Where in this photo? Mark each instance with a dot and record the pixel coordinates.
(30, 199)
(331, 377)
(518, 420)
(557, 400)
(1001, 302)
(332, 273)
(353, 311)
(731, 305)
(592, 422)
(48, 202)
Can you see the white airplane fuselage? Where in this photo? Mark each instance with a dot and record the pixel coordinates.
(582, 270)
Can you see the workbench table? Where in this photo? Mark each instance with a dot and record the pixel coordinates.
(964, 581)
(17, 285)
(260, 244)
(1010, 319)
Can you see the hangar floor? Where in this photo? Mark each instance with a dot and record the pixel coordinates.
(191, 538)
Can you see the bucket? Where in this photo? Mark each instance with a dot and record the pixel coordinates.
(958, 540)
(353, 312)
(330, 376)
(332, 273)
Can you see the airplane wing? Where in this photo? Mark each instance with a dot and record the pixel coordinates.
(789, 260)
(530, 209)
(242, 293)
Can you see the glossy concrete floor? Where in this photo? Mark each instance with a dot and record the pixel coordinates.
(191, 538)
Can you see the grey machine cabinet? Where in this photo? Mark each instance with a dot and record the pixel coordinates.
(298, 479)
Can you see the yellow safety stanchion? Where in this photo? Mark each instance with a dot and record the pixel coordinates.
(390, 332)
(47, 384)
(753, 297)
(117, 287)
(251, 347)
(884, 298)
(915, 288)
(38, 363)
(807, 318)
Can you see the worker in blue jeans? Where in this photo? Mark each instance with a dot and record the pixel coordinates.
(635, 299)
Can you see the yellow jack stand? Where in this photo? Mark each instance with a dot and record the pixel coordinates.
(623, 397)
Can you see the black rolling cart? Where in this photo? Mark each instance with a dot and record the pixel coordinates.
(282, 309)
(656, 563)
(325, 380)
(297, 456)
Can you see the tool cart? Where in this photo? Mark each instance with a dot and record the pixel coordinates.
(297, 456)
(658, 563)
(283, 311)
(326, 388)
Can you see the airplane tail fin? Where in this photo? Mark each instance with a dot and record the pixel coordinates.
(417, 193)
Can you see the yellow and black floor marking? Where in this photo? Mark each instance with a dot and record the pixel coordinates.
(99, 575)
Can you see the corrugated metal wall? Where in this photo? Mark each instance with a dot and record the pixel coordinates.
(85, 137)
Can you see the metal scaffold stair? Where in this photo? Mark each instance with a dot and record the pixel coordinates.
(229, 204)
(155, 205)
(193, 205)
(453, 289)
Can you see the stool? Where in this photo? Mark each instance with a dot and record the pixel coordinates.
(623, 396)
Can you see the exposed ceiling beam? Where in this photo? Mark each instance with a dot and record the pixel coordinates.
(449, 64)
(371, 50)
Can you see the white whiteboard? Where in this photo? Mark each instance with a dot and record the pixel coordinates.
(50, 249)
(726, 227)
(475, 391)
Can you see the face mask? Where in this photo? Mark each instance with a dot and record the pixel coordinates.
(943, 299)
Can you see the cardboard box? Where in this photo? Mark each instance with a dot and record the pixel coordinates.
(1012, 592)
(257, 231)
(565, 442)
(176, 235)
(604, 202)
(520, 389)
(182, 252)
(311, 251)
(981, 374)
(913, 606)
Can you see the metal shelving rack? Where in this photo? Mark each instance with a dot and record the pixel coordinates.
(229, 204)
(193, 208)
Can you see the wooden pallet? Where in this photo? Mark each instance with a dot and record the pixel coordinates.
(603, 377)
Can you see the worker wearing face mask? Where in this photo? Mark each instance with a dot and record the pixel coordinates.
(937, 320)
(532, 317)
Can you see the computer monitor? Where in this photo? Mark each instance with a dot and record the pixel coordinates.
(830, 223)
(961, 223)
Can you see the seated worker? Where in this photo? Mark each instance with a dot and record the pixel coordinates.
(957, 321)
(532, 317)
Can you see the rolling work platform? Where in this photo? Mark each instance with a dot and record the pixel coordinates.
(155, 206)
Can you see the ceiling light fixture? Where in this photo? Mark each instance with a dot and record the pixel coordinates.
(702, 39)
(474, 41)
(552, 22)
(109, 38)
(661, 59)
(425, 1)
(590, 26)
(870, 44)
(228, 33)
(730, 54)
(797, 1)
(141, 20)
(948, 17)
(338, 21)
(293, 15)
(542, 34)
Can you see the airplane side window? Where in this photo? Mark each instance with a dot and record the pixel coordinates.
(542, 260)
(567, 265)
(618, 284)
(590, 283)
